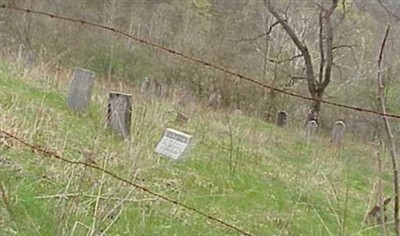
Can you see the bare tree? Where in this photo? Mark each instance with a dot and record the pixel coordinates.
(316, 84)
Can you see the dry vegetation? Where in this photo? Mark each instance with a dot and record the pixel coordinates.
(242, 169)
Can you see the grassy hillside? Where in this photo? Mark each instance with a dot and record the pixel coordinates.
(249, 173)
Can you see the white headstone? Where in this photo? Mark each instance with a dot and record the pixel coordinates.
(215, 99)
(145, 85)
(173, 144)
(338, 132)
(80, 90)
(311, 129)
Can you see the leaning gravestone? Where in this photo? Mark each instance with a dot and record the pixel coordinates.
(80, 90)
(173, 144)
(311, 129)
(119, 113)
(338, 132)
(281, 118)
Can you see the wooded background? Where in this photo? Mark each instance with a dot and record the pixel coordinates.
(241, 35)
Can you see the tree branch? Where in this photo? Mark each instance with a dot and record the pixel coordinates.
(284, 60)
(303, 49)
(388, 10)
(343, 46)
(321, 47)
(329, 44)
(260, 35)
(381, 97)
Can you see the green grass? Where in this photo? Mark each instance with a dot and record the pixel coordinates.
(249, 173)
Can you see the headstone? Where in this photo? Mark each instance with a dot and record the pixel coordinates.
(119, 113)
(181, 118)
(30, 59)
(281, 118)
(151, 87)
(173, 144)
(80, 90)
(311, 129)
(145, 85)
(338, 132)
(164, 90)
(215, 99)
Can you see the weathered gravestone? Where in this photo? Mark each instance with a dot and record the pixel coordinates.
(173, 144)
(281, 118)
(151, 87)
(311, 129)
(181, 118)
(338, 132)
(119, 113)
(145, 85)
(80, 90)
(215, 99)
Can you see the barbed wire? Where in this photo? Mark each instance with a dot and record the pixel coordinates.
(200, 61)
(57, 156)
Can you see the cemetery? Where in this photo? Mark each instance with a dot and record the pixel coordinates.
(198, 117)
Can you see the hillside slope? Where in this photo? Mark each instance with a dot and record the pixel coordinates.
(249, 173)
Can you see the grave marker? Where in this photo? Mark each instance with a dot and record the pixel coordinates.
(311, 129)
(173, 144)
(151, 87)
(338, 132)
(145, 85)
(215, 99)
(119, 113)
(80, 90)
(281, 118)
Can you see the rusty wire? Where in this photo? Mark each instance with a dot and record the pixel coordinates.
(199, 61)
(57, 156)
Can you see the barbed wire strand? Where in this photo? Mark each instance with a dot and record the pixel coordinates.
(199, 61)
(57, 156)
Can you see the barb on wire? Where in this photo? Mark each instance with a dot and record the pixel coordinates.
(57, 156)
(199, 61)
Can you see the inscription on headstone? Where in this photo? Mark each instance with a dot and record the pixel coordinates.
(119, 113)
(281, 118)
(338, 132)
(80, 90)
(173, 144)
(311, 129)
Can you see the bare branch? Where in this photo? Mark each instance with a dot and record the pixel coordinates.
(284, 60)
(343, 46)
(388, 10)
(321, 47)
(389, 132)
(329, 44)
(303, 49)
(298, 78)
(343, 16)
(271, 27)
